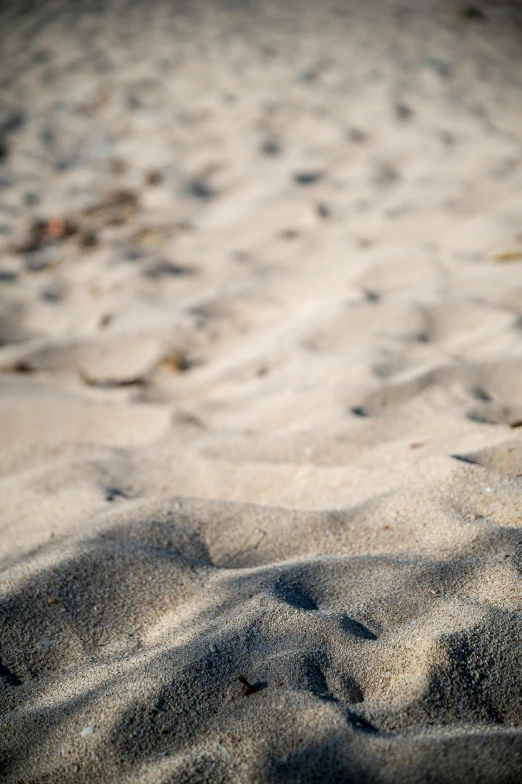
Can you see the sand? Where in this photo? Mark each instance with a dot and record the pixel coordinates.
(260, 392)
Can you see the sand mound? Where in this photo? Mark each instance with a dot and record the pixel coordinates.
(260, 393)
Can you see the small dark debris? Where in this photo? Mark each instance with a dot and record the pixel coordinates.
(153, 177)
(65, 164)
(289, 234)
(4, 150)
(19, 367)
(386, 173)
(52, 293)
(481, 394)
(41, 57)
(309, 76)
(177, 361)
(88, 238)
(133, 102)
(31, 199)
(307, 178)
(359, 411)
(117, 166)
(43, 233)
(517, 423)
(7, 276)
(48, 138)
(417, 445)
(464, 459)
(471, 13)
(323, 210)
(270, 147)
(105, 320)
(134, 253)
(116, 207)
(186, 419)
(261, 371)
(403, 111)
(447, 138)
(248, 688)
(112, 493)
(11, 122)
(357, 135)
(371, 296)
(164, 268)
(199, 188)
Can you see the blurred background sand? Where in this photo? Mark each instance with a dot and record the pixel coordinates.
(260, 392)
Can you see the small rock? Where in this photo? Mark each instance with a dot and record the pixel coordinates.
(163, 268)
(45, 642)
(11, 121)
(7, 276)
(403, 111)
(307, 178)
(105, 320)
(53, 293)
(323, 210)
(270, 147)
(199, 188)
(358, 136)
(87, 730)
(289, 234)
(153, 177)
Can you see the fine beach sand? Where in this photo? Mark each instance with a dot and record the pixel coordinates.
(260, 392)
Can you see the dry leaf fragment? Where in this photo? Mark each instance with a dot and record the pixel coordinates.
(115, 208)
(176, 361)
(18, 367)
(506, 256)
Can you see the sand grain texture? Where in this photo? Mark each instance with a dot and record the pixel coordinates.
(260, 393)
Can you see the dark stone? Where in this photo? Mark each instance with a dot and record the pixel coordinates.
(199, 188)
(308, 178)
(270, 147)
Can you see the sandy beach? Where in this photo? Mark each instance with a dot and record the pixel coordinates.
(260, 392)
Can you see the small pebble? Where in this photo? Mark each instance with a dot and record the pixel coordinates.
(403, 111)
(45, 642)
(87, 730)
(270, 147)
(307, 178)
